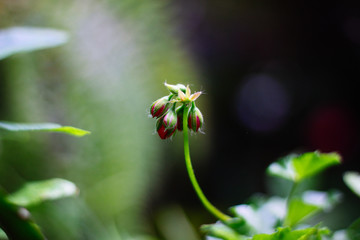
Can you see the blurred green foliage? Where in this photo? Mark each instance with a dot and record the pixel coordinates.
(352, 180)
(275, 218)
(33, 193)
(102, 80)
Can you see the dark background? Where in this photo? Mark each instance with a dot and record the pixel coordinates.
(299, 64)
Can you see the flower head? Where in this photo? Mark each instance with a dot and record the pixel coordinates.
(170, 111)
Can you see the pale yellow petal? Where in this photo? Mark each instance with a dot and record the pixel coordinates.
(188, 91)
(195, 96)
(181, 95)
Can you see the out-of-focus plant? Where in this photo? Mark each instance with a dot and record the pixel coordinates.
(15, 219)
(24, 39)
(266, 217)
(117, 50)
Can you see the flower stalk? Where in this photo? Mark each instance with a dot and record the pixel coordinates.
(178, 112)
(211, 208)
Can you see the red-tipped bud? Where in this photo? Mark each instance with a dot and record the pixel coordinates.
(159, 107)
(195, 119)
(170, 119)
(163, 131)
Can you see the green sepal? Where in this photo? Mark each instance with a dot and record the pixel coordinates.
(175, 88)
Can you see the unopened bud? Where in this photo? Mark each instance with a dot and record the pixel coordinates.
(195, 119)
(170, 119)
(159, 107)
(163, 131)
(175, 88)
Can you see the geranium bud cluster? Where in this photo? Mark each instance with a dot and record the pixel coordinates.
(169, 111)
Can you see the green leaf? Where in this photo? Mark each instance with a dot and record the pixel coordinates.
(341, 235)
(25, 39)
(310, 203)
(283, 168)
(262, 218)
(298, 167)
(353, 232)
(288, 234)
(324, 200)
(219, 230)
(34, 193)
(239, 225)
(47, 127)
(309, 164)
(298, 211)
(3, 235)
(16, 221)
(352, 180)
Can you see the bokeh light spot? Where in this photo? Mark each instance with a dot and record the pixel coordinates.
(262, 103)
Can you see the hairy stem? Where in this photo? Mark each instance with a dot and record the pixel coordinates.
(211, 208)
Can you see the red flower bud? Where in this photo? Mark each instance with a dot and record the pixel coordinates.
(170, 119)
(195, 119)
(163, 131)
(159, 107)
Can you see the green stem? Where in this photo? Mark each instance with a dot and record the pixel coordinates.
(288, 200)
(292, 190)
(211, 208)
(291, 195)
